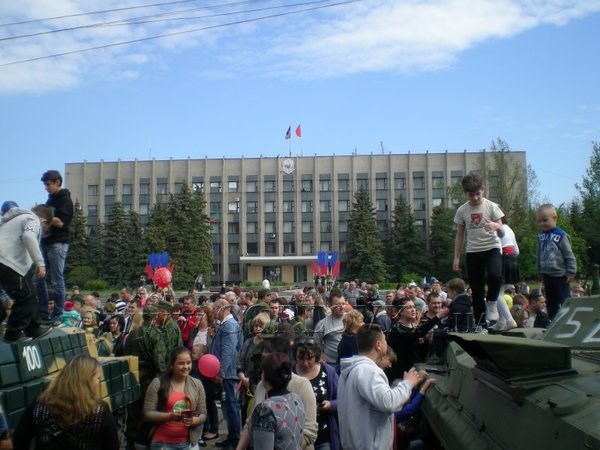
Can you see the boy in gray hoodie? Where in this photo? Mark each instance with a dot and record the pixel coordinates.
(20, 252)
(366, 402)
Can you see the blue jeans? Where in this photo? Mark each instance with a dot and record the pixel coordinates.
(231, 411)
(55, 256)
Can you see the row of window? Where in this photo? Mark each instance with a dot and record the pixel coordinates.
(289, 248)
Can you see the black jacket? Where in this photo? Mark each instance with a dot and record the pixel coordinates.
(62, 205)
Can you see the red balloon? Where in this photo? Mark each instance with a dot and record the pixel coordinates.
(162, 277)
(209, 365)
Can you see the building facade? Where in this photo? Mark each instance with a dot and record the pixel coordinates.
(270, 216)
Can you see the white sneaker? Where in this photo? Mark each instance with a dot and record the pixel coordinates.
(503, 325)
(480, 330)
(492, 311)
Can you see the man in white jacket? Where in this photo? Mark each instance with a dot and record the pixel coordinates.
(366, 402)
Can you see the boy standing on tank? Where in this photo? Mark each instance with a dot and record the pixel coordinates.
(479, 220)
(555, 259)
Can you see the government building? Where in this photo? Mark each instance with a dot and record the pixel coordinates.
(271, 215)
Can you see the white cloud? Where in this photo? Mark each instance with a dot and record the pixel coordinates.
(370, 36)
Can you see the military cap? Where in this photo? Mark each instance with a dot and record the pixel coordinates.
(149, 312)
(165, 306)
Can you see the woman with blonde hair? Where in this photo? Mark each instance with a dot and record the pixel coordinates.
(348, 346)
(69, 415)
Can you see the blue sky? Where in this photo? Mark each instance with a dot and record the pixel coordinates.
(409, 75)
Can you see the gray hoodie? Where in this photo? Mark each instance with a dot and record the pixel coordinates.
(366, 405)
(20, 233)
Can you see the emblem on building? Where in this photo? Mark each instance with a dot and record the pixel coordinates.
(289, 166)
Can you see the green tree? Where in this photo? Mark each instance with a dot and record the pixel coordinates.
(406, 249)
(122, 248)
(364, 247)
(589, 190)
(78, 245)
(96, 250)
(441, 242)
(181, 228)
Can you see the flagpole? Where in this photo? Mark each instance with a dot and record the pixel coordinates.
(290, 139)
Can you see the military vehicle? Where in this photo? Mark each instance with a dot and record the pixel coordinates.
(523, 389)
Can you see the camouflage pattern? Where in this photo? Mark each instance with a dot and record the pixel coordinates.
(171, 335)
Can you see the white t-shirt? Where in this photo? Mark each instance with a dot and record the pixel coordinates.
(509, 239)
(474, 219)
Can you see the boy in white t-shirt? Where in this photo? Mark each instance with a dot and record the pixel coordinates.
(479, 220)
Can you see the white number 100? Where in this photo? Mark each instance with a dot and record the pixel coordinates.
(32, 358)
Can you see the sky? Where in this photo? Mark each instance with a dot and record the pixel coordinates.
(227, 79)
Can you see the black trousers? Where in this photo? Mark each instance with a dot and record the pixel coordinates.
(24, 315)
(484, 267)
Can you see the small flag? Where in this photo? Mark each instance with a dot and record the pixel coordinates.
(215, 217)
(298, 131)
(288, 133)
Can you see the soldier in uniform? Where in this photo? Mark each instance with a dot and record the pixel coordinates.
(147, 343)
(168, 327)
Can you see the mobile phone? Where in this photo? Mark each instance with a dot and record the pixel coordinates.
(187, 412)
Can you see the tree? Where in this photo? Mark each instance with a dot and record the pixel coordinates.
(589, 189)
(78, 244)
(441, 242)
(181, 228)
(96, 250)
(122, 248)
(364, 247)
(407, 249)
(505, 179)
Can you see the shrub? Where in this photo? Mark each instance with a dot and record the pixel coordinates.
(95, 285)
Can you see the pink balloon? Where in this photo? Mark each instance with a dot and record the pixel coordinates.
(209, 365)
(162, 277)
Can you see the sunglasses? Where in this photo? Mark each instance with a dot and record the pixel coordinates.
(309, 342)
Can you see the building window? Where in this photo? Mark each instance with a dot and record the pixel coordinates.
(306, 185)
(215, 186)
(418, 182)
(234, 206)
(233, 228)
(215, 227)
(382, 225)
(92, 190)
(252, 248)
(216, 249)
(437, 182)
(233, 248)
(288, 186)
(325, 227)
(270, 207)
(109, 189)
(232, 186)
(215, 207)
(343, 205)
(362, 183)
(288, 227)
(382, 204)
(288, 206)
(420, 225)
(343, 226)
(252, 207)
(144, 189)
(325, 185)
(307, 226)
(307, 206)
(269, 227)
(251, 186)
(289, 248)
(325, 246)
(419, 204)
(126, 208)
(325, 205)
(92, 211)
(270, 248)
(437, 202)
(144, 209)
(381, 184)
(270, 186)
(128, 189)
(399, 183)
(178, 187)
(307, 248)
(162, 188)
(251, 227)
(343, 185)
(198, 186)
(234, 270)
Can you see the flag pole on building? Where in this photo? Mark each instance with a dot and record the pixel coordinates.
(288, 136)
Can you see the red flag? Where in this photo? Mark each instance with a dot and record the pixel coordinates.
(288, 133)
(298, 131)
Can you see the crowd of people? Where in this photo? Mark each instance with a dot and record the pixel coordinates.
(322, 369)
